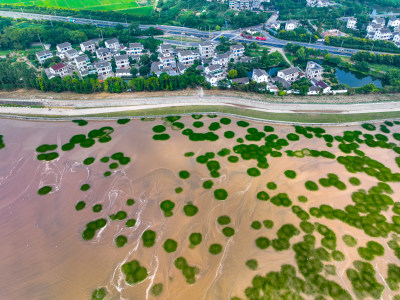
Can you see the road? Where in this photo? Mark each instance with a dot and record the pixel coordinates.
(231, 34)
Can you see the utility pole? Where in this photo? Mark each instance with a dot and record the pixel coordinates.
(41, 41)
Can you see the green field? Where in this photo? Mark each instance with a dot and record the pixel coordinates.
(128, 6)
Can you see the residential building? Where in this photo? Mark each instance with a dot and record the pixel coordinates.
(223, 59)
(88, 46)
(123, 73)
(240, 81)
(352, 23)
(274, 25)
(237, 50)
(63, 47)
(103, 68)
(122, 61)
(372, 28)
(260, 76)
(167, 60)
(383, 34)
(272, 87)
(112, 44)
(207, 49)
(213, 69)
(393, 22)
(313, 90)
(57, 70)
(319, 3)
(314, 70)
(333, 32)
(43, 55)
(323, 86)
(134, 49)
(290, 74)
(286, 84)
(291, 25)
(82, 62)
(71, 54)
(379, 21)
(396, 39)
(243, 4)
(165, 48)
(103, 54)
(187, 57)
(181, 68)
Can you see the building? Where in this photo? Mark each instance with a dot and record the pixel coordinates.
(260, 76)
(187, 57)
(237, 51)
(122, 61)
(372, 28)
(240, 81)
(165, 48)
(64, 47)
(103, 54)
(57, 70)
(323, 86)
(207, 49)
(383, 34)
(82, 62)
(274, 25)
(393, 22)
(43, 55)
(290, 74)
(222, 59)
(88, 46)
(286, 84)
(319, 3)
(396, 40)
(134, 49)
(272, 88)
(332, 32)
(112, 44)
(123, 73)
(240, 4)
(314, 70)
(352, 23)
(379, 21)
(103, 68)
(71, 54)
(291, 25)
(167, 60)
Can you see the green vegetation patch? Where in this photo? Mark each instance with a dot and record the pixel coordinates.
(80, 122)
(85, 187)
(229, 134)
(161, 137)
(225, 121)
(253, 172)
(120, 241)
(130, 202)
(99, 294)
(89, 161)
(92, 227)
(157, 289)
(189, 272)
(134, 272)
(44, 190)
(159, 128)
(170, 245)
(252, 264)
(290, 174)
(311, 185)
(149, 238)
(45, 147)
(349, 240)
(123, 121)
(120, 215)
(48, 156)
(97, 208)
(223, 220)
(271, 185)
(167, 206)
(268, 224)
(263, 196)
(195, 239)
(130, 223)
(80, 205)
(208, 184)
(228, 231)
(190, 210)
(220, 194)
(215, 249)
(263, 242)
(256, 225)
(184, 174)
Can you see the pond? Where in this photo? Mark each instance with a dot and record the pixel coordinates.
(355, 79)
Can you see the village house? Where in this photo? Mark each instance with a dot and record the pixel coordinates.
(291, 25)
(393, 22)
(272, 87)
(88, 46)
(134, 49)
(43, 55)
(314, 70)
(122, 61)
(63, 47)
(372, 28)
(207, 49)
(112, 44)
(82, 62)
(396, 39)
(165, 48)
(167, 60)
(290, 74)
(240, 81)
(383, 34)
(103, 69)
(103, 54)
(187, 57)
(57, 70)
(237, 50)
(260, 76)
(351, 23)
(71, 54)
(125, 73)
(222, 59)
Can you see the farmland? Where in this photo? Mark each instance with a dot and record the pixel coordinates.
(127, 6)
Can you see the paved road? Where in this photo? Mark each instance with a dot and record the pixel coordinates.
(232, 34)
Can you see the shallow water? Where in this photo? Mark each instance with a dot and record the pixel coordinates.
(43, 256)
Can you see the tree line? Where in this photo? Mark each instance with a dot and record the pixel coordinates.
(298, 34)
(362, 43)
(384, 59)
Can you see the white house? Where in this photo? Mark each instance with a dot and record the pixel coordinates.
(237, 50)
(43, 55)
(123, 73)
(122, 61)
(187, 57)
(71, 54)
(396, 39)
(372, 28)
(63, 47)
(103, 68)
(112, 44)
(167, 60)
(103, 54)
(379, 21)
(222, 59)
(290, 74)
(165, 48)
(260, 76)
(134, 49)
(82, 62)
(207, 49)
(383, 34)
(352, 23)
(291, 25)
(88, 46)
(394, 22)
(314, 70)
(58, 70)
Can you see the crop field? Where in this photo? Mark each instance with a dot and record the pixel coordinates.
(128, 6)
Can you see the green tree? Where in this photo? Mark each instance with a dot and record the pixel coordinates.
(232, 74)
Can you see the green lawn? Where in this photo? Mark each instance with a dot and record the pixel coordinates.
(128, 6)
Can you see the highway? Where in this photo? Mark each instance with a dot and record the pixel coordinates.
(231, 34)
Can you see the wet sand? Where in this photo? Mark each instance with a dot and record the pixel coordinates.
(42, 254)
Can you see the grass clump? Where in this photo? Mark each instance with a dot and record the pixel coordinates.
(80, 205)
(271, 185)
(354, 181)
(184, 174)
(88, 161)
(253, 172)
(242, 123)
(107, 173)
(220, 194)
(104, 159)
(263, 242)
(134, 272)
(228, 231)
(120, 215)
(268, 224)
(252, 264)
(190, 210)
(161, 137)
(130, 202)
(167, 206)
(123, 121)
(215, 249)
(44, 190)
(130, 223)
(225, 121)
(120, 241)
(256, 225)
(195, 239)
(311, 185)
(229, 134)
(208, 184)
(178, 190)
(223, 220)
(290, 174)
(188, 154)
(97, 208)
(188, 271)
(45, 147)
(263, 196)
(159, 128)
(149, 238)
(349, 240)
(170, 245)
(92, 227)
(85, 187)
(80, 122)
(157, 289)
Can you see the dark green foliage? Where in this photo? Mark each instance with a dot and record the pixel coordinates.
(178, 190)
(290, 174)
(229, 134)
(167, 206)
(271, 185)
(130, 202)
(215, 249)
(123, 121)
(195, 239)
(113, 166)
(120, 241)
(354, 181)
(242, 123)
(188, 271)
(256, 225)
(45, 147)
(97, 208)
(149, 238)
(198, 124)
(161, 137)
(225, 121)
(48, 156)
(224, 152)
(80, 205)
(120, 215)
(88, 161)
(233, 159)
(159, 128)
(170, 245)
(190, 210)
(292, 137)
(282, 199)
(220, 194)
(87, 143)
(302, 199)
(311, 185)
(223, 220)
(253, 172)
(349, 240)
(184, 174)
(268, 224)
(44, 190)
(92, 227)
(67, 147)
(208, 184)
(107, 173)
(105, 159)
(263, 196)
(368, 126)
(214, 126)
(228, 231)
(157, 289)
(252, 264)
(85, 187)
(134, 272)
(100, 293)
(263, 242)
(80, 122)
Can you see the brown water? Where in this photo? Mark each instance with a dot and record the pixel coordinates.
(42, 254)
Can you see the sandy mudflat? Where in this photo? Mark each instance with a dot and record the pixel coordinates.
(42, 254)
